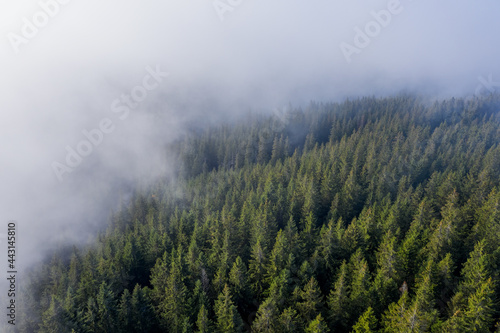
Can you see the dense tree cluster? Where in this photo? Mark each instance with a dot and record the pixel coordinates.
(372, 215)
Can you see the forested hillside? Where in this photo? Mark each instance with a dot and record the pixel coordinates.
(372, 215)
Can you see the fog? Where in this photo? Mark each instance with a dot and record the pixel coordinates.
(68, 69)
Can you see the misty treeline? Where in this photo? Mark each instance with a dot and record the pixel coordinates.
(371, 215)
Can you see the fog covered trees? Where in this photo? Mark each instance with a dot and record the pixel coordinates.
(372, 215)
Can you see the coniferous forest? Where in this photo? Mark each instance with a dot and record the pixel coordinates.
(370, 215)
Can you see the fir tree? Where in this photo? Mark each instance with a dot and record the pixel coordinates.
(228, 318)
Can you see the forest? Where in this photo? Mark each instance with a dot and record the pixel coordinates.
(368, 215)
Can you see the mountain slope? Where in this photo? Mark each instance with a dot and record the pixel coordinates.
(365, 215)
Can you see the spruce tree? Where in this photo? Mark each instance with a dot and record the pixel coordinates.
(228, 318)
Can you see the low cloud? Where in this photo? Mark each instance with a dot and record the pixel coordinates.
(261, 55)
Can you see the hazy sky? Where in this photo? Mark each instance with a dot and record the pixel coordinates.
(68, 66)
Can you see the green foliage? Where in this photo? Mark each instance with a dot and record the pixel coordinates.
(310, 302)
(317, 326)
(338, 300)
(366, 323)
(266, 317)
(368, 215)
(203, 322)
(287, 321)
(472, 305)
(228, 318)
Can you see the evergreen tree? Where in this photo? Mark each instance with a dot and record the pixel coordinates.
(384, 285)
(53, 318)
(203, 322)
(266, 317)
(311, 301)
(228, 318)
(172, 304)
(141, 315)
(394, 319)
(472, 304)
(338, 300)
(360, 297)
(106, 310)
(317, 326)
(366, 323)
(257, 268)
(238, 281)
(125, 312)
(287, 321)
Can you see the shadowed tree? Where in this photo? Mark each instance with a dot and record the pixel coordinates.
(472, 305)
(203, 322)
(228, 318)
(366, 323)
(287, 321)
(338, 300)
(266, 317)
(317, 325)
(311, 301)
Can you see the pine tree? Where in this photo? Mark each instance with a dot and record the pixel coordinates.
(409, 250)
(311, 301)
(238, 281)
(317, 326)
(488, 222)
(172, 304)
(329, 245)
(366, 323)
(445, 235)
(421, 315)
(266, 317)
(384, 285)
(472, 304)
(359, 298)
(366, 227)
(277, 150)
(475, 272)
(287, 321)
(125, 312)
(478, 316)
(228, 318)
(106, 309)
(221, 276)
(278, 258)
(446, 281)
(257, 268)
(203, 322)
(338, 300)
(141, 311)
(53, 318)
(70, 309)
(90, 316)
(393, 319)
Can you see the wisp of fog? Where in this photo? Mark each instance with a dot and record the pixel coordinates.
(92, 91)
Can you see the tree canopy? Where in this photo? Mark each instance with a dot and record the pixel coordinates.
(371, 215)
